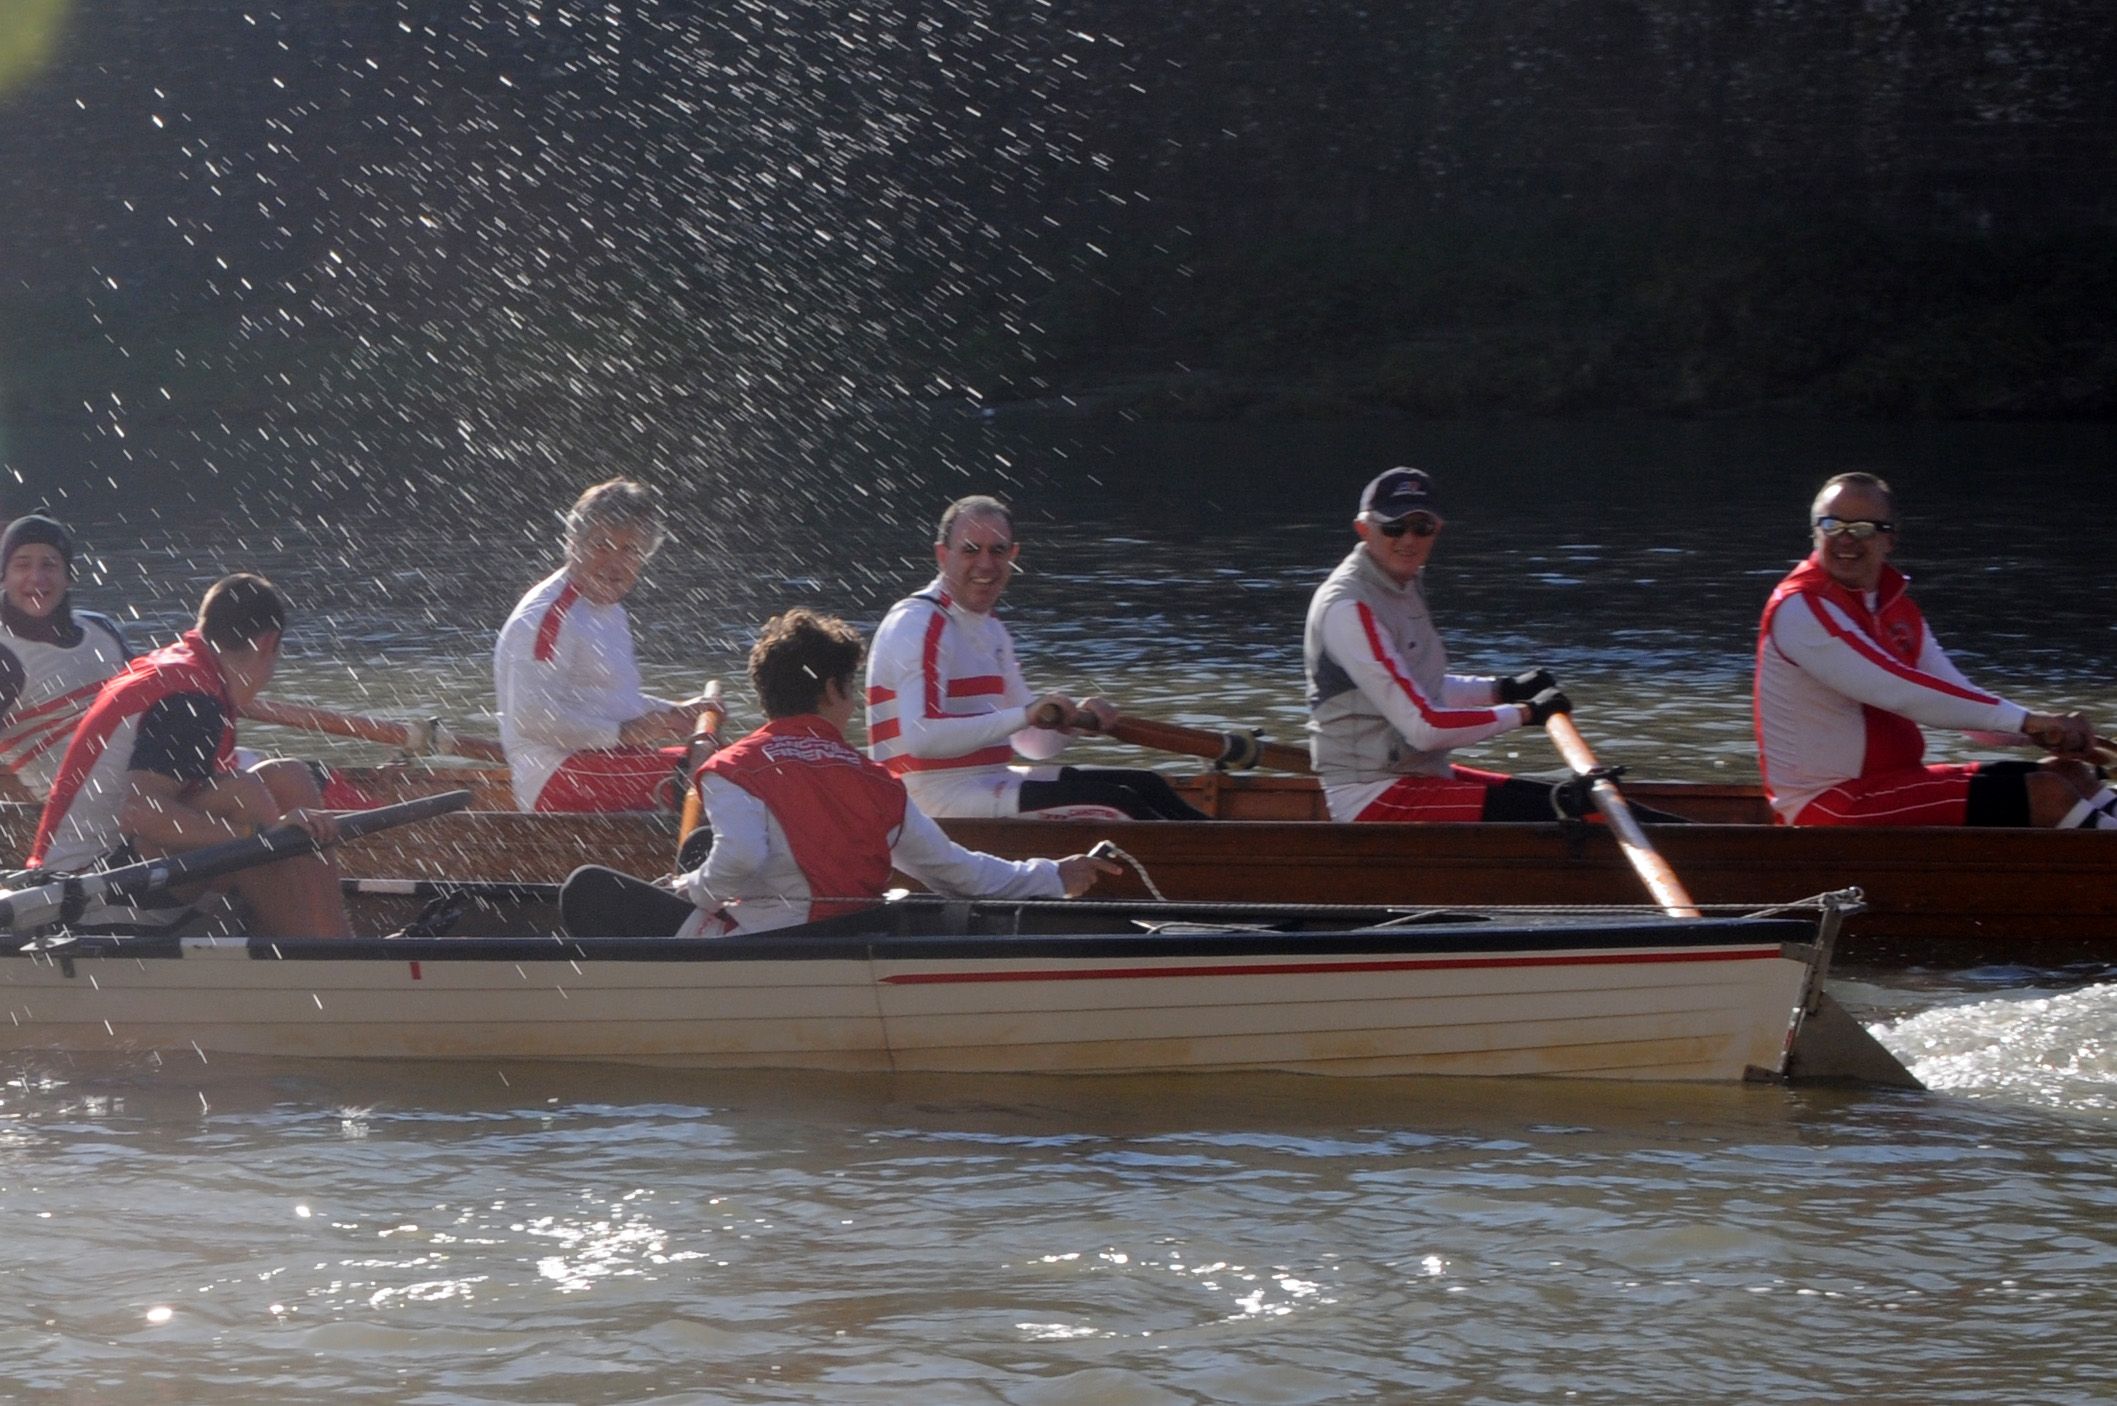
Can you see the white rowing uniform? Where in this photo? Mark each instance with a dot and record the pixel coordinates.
(947, 710)
(45, 687)
(566, 680)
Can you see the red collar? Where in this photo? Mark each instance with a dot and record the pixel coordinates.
(1810, 577)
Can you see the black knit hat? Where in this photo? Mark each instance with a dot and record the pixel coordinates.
(34, 528)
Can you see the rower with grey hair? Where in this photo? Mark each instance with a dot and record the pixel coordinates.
(947, 709)
(579, 731)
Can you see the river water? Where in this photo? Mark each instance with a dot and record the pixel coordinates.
(271, 1232)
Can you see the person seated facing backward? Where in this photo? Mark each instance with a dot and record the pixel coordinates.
(947, 709)
(152, 771)
(579, 732)
(1847, 674)
(804, 827)
(1384, 711)
(54, 658)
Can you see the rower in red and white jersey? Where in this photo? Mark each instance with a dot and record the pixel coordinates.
(580, 733)
(1847, 674)
(804, 827)
(152, 771)
(53, 658)
(1384, 712)
(947, 709)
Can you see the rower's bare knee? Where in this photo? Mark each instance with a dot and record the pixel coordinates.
(2056, 786)
(291, 783)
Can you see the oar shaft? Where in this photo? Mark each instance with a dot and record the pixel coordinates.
(1654, 871)
(33, 907)
(389, 732)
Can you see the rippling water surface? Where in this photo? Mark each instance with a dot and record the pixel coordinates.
(253, 1232)
(533, 1234)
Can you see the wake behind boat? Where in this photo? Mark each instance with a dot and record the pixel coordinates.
(1017, 986)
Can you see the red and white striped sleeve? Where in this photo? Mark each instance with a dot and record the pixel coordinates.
(908, 667)
(1356, 641)
(1825, 643)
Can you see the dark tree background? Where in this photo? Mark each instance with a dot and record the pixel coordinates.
(344, 232)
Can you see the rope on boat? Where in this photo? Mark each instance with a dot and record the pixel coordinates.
(1107, 849)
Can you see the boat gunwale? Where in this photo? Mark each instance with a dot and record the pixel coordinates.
(1642, 936)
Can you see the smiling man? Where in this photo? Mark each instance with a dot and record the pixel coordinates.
(580, 734)
(1384, 712)
(948, 712)
(53, 657)
(1848, 672)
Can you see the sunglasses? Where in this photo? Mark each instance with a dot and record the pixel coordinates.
(1417, 524)
(1858, 529)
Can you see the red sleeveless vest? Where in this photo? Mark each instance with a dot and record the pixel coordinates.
(838, 809)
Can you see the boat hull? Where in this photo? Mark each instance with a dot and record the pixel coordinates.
(1620, 999)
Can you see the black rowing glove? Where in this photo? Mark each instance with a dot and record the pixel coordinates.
(1523, 687)
(1547, 705)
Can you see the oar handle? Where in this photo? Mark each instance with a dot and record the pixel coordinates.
(1237, 751)
(1654, 871)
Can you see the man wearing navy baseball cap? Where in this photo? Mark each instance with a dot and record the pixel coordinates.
(1384, 711)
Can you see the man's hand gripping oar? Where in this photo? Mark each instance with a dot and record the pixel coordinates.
(62, 899)
(1235, 751)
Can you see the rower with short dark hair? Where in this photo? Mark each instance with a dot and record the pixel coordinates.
(804, 826)
(1847, 674)
(947, 709)
(1384, 712)
(53, 657)
(151, 771)
(579, 732)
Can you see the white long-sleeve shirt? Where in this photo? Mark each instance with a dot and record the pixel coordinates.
(947, 709)
(1844, 682)
(566, 680)
(752, 878)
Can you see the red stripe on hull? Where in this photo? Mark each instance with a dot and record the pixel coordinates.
(1408, 964)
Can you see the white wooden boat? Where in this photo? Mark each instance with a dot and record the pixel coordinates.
(930, 984)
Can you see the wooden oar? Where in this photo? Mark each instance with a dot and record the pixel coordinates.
(705, 741)
(44, 903)
(1646, 861)
(1236, 751)
(418, 738)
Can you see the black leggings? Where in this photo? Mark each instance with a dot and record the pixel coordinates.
(599, 902)
(1999, 794)
(1520, 800)
(1143, 795)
